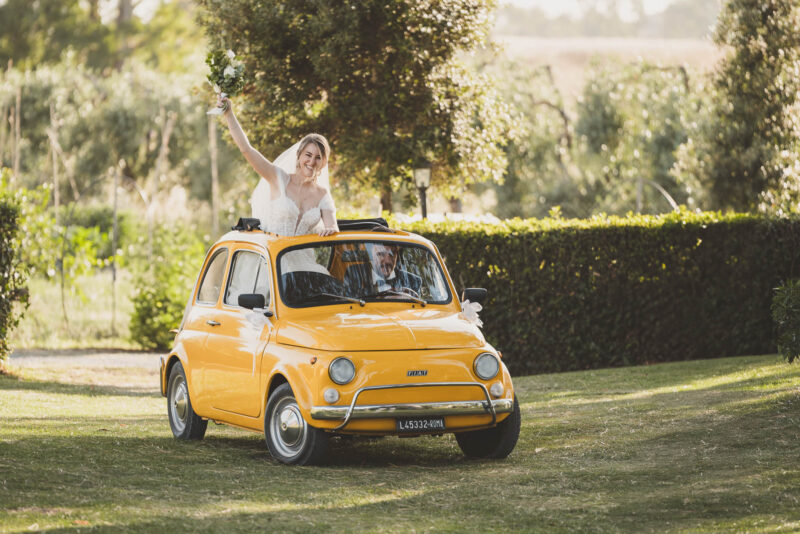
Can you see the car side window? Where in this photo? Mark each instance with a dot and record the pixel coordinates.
(249, 274)
(211, 285)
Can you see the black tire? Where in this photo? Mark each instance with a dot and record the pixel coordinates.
(497, 442)
(185, 424)
(290, 439)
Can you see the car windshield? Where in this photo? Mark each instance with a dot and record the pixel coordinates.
(360, 272)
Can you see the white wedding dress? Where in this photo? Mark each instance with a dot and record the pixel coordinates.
(281, 215)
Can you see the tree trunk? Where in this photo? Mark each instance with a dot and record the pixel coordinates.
(124, 16)
(386, 199)
(455, 205)
(125, 12)
(94, 10)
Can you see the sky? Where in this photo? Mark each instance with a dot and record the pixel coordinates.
(555, 8)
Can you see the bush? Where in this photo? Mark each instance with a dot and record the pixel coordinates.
(13, 294)
(611, 291)
(163, 284)
(786, 314)
(100, 220)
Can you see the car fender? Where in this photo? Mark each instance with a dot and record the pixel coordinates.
(299, 380)
(177, 354)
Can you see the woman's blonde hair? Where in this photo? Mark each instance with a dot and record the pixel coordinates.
(320, 141)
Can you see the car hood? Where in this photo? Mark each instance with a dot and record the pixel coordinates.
(370, 330)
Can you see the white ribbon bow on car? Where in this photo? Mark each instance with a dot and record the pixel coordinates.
(469, 312)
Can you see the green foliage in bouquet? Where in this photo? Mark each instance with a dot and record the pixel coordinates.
(226, 73)
(786, 314)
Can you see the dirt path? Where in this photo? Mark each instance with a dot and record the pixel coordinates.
(101, 358)
(130, 372)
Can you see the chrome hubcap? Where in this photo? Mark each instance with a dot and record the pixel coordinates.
(288, 430)
(179, 404)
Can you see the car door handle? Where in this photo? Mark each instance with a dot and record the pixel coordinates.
(213, 323)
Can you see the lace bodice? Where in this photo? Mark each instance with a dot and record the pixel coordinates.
(281, 215)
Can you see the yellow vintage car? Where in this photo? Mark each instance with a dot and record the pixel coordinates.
(308, 338)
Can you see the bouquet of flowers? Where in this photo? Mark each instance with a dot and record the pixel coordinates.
(226, 75)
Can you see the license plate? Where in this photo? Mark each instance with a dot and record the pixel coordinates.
(420, 424)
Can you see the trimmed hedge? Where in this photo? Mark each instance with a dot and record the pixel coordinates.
(611, 291)
(12, 281)
(786, 314)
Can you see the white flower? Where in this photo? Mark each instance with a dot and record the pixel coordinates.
(229, 72)
(231, 55)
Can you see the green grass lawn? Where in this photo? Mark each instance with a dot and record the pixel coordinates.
(703, 446)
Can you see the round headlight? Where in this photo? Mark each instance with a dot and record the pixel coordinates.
(486, 366)
(342, 371)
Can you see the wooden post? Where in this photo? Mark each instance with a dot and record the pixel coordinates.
(54, 127)
(639, 194)
(17, 134)
(456, 205)
(168, 120)
(212, 149)
(3, 126)
(114, 258)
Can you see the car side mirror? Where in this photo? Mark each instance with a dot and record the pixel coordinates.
(474, 294)
(252, 300)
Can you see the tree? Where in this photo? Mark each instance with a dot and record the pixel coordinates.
(379, 79)
(614, 156)
(631, 120)
(742, 152)
(32, 33)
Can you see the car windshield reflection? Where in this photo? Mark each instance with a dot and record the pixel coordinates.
(359, 272)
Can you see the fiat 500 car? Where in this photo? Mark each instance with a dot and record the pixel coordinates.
(360, 333)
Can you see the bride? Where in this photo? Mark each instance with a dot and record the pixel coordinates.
(293, 196)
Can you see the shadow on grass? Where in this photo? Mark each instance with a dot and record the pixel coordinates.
(48, 386)
(712, 458)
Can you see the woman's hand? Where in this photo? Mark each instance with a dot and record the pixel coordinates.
(224, 102)
(327, 230)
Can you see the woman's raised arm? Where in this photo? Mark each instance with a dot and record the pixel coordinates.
(261, 164)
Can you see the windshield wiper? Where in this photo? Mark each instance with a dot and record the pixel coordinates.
(360, 302)
(400, 294)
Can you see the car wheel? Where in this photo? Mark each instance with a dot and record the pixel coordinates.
(497, 442)
(289, 438)
(185, 424)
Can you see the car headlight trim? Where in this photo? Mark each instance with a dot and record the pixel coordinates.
(341, 370)
(486, 366)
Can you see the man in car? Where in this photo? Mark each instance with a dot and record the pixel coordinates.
(385, 276)
(382, 274)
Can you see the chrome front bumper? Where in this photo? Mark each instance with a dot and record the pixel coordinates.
(422, 409)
